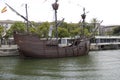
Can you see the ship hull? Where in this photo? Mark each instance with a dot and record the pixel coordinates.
(32, 46)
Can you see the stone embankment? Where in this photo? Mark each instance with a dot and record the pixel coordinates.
(8, 50)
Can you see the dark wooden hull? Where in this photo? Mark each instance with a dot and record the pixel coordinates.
(32, 46)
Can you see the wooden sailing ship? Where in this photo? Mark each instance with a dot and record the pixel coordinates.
(32, 46)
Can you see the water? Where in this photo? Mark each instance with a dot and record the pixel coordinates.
(98, 65)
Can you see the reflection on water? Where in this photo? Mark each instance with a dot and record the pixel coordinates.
(98, 65)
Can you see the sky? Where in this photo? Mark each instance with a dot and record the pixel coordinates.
(71, 10)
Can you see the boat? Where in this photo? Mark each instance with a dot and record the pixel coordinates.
(33, 46)
(30, 45)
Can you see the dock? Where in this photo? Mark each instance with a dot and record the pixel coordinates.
(105, 43)
(9, 50)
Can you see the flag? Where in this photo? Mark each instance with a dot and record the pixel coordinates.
(4, 9)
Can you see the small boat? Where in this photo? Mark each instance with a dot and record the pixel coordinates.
(31, 45)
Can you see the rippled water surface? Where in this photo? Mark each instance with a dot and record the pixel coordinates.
(98, 65)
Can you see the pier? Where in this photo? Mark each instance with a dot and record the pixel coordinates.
(8, 50)
(105, 42)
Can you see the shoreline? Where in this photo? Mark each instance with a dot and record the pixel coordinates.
(9, 50)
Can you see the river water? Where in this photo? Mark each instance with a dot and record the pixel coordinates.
(98, 65)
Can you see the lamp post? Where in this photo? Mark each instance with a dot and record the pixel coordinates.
(55, 8)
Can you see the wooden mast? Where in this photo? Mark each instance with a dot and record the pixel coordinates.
(26, 18)
(55, 8)
(83, 22)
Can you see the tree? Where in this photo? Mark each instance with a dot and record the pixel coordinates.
(64, 25)
(1, 32)
(94, 20)
(9, 33)
(43, 29)
(116, 31)
(75, 32)
(93, 24)
(18, 26)
(62, 32)
(32, 30)
(86, 32)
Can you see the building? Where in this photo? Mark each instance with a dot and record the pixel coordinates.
(106, 30)
(105, 42)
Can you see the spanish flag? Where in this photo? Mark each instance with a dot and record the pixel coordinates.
(4, 9)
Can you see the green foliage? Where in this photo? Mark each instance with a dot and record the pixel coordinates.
(74, 29)
(43, 29)
(75, 32)
(62, 32)
(86, 32)
(116, 31)
(64, 25)
(1, 30)
(32, 30)
(18, 26)
(8, 34)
